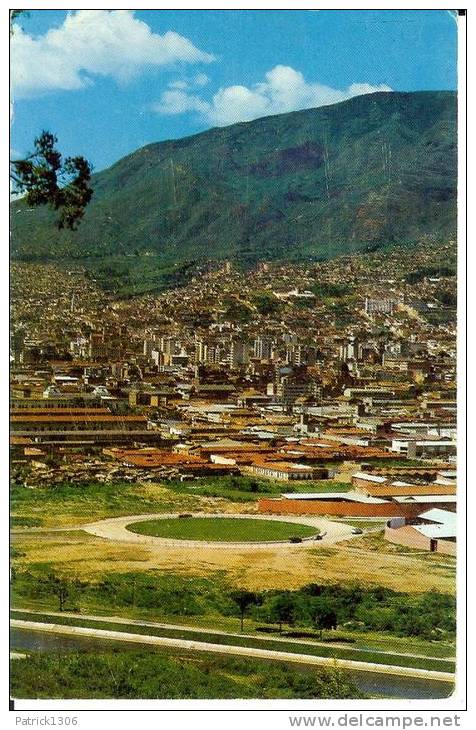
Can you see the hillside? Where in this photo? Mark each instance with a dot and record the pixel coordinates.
(373, 171)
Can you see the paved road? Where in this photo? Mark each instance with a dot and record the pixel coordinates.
(115, 529)
(234, 650)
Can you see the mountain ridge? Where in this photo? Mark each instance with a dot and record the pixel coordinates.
(372, 171)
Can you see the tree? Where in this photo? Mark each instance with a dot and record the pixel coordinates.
(64, 589)
(47, 179)
(282, 609)
(336, 683)
(243, 599)
(322, 614)
(60, 587)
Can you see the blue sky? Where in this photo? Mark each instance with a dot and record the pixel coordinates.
(108, 82)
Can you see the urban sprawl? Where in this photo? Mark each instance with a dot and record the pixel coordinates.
(332, 373)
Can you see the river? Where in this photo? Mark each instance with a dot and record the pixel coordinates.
(372, 683)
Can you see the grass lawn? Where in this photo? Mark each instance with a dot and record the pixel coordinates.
(222, 529)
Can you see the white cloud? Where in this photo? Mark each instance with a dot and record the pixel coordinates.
(201, 80)
(197, 81)
(176, 101)
(283, 90)
(108, 43)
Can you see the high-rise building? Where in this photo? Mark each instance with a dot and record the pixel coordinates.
(201, 352)
(380, 306)
(263, 348)
(239, 353)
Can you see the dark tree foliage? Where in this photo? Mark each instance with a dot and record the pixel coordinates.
(47, 179)
(282, 609)
(322, 613)
(63, 588)
(243, 600)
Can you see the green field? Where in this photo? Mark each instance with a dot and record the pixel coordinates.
(222, 529)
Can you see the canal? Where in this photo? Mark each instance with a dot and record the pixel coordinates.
(374, 684)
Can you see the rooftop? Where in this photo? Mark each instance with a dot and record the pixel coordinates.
(369, 477)
(336, 496)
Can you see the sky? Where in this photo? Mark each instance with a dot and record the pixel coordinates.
(108, 82)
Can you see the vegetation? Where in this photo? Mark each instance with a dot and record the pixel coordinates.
(257, 191)
(46, 179)
(325, 290)
(364, 524)
(413, 277)
(266, 303)
(448, 297)
(244, 599)
(237, 311)
(77, 503)
(222, 529)
(249, 489)
(68, 503)
(144, 675)
(428, 615)
(310, 648)
(18, 521)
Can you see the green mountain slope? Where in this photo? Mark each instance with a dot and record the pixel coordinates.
(375, 170)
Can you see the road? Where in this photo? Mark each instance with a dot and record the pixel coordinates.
(234, 650)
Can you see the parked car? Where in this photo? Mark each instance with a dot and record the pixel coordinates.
(357, 531)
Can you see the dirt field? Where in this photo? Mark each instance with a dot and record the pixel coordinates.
(61, 544)
(80, 554)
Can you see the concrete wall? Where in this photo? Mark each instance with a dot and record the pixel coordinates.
(409, 537)
(446, 547)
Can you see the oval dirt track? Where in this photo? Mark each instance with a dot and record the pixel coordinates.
(115, 529)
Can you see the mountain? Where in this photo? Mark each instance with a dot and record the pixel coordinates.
(373, 171)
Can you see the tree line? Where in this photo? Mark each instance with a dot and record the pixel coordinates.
(314, 607)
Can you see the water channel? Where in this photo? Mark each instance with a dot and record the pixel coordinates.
(372, 683)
